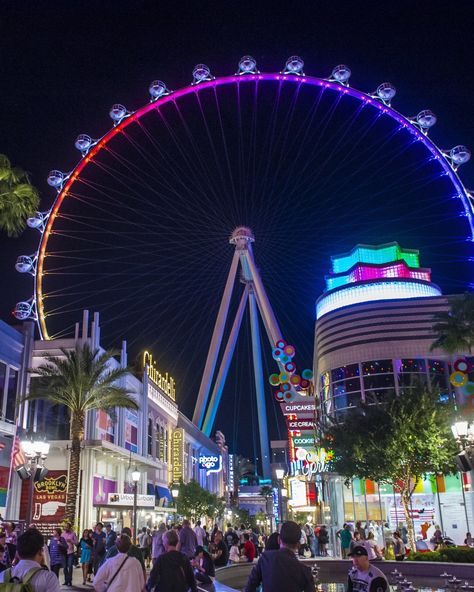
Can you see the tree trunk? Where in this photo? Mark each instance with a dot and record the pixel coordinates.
(405, 495)
(77, 435)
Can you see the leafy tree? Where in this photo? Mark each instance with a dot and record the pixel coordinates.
(194, 501)
(454, 328)
(81, 380)
(395, 443)
(18, 198)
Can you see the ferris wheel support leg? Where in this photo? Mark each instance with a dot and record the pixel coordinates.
(269, 319)
(224, 367)
(259, 387)
(216, 341)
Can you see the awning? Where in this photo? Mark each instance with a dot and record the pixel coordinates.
(163, 495)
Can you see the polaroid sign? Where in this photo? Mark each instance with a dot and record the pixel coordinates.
(211, 463)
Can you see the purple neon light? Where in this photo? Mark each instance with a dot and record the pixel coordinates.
(236, 79)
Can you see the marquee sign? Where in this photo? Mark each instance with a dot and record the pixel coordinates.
(211, 463)
(126, 499)
(177, 455)
(163, 381)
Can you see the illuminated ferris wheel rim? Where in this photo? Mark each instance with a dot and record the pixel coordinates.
(450, 160)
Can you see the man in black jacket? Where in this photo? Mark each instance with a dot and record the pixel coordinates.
(172, 570)
(281, 571)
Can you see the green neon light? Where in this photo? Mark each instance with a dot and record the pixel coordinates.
(375, 254)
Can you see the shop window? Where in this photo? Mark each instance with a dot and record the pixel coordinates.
(377, 367)
(158, 442)
(347, 400)
(411, 380)
(437, 367)
(350, 371)
(51, 420)
(379, 381)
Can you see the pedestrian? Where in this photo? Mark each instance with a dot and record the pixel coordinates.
(187, 540)
(10, 540)
(133, 551)
(303, 541)
(234, 553)
(280, 570)
(206, 539)
(98, 537)
(110, 536)
(204, 570)
(144, 543)
(469, 541)
(29, 568)
(273, 542)
(360, 530)
(213, 533)
(220, 554)
(373, 550)
(47, 559)
(157, 547)
(86, 545)
(71, 539)
(323, 540)
(355, 542)
(345, 535)
(402, 529)
(248, 549)
(173, 569)
(364, 577)
(230, 535)
(122, 573)
(398, 546)
(3, 565)
(200, 533)
(57, 553)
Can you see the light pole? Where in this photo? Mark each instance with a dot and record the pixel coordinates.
(135, 478)
(280, 473)
(36, 450)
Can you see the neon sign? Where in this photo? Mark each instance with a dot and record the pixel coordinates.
(211, 462)
(163, 381)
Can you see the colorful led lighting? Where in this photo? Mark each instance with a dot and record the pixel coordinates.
(377, 290)
(376, 255)
(366, 272)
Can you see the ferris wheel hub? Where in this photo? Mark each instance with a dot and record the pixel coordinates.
(241, 237)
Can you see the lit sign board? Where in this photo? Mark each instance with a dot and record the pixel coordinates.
(300, 424)
(212, 463)
(163, 381)
(126, 499)
(231, 472)
(298, 493)
(311, 462)
(177, 455)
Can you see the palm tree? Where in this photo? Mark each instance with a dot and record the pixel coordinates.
(82, 380)
(19, 200)
(455, 328)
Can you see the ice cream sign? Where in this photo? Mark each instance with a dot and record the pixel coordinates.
(211, 463)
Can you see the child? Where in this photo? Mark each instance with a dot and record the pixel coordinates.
(234, 552)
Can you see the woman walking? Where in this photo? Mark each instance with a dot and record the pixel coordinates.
(85, 545)
(57, 551)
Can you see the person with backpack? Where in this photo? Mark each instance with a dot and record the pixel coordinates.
(172, 570)
(121, 573)
(57, 552)
(29, 573)
(144, 543)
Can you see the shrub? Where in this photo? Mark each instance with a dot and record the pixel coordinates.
(448, 554)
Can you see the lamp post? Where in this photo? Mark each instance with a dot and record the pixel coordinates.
(135, 478)
(280, 473)
(36, 450)
(463, 433)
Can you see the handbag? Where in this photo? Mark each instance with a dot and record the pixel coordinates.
(117, 572)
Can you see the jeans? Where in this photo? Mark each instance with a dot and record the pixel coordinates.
(314, 546)
(68, 569)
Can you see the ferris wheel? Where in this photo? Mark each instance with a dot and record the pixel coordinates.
(311, 164)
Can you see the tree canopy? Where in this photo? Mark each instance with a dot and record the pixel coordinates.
(193, 502)
(454, 328)
(19, 200)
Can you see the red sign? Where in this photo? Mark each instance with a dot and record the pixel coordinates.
(49, 501)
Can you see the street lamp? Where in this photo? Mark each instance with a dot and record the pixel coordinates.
(463, 433)
(36, 450)
(175, 492)
(280, 473)
(135, 478)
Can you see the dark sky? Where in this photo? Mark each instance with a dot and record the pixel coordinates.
(62, 65)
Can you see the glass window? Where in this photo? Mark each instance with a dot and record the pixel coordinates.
(349, 400)
(377, 367)
(158, 442)
(346, 386)
(409, 380)
(379, 396)
(11, 394)
(51, 420)
(349, 371)
(436, 367)
(410, 365)
(3, 374)
(150, 436)
(379, 381)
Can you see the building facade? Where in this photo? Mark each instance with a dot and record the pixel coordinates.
(373, 336)
(157, 440)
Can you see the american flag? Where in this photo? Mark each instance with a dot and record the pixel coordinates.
(18, 456)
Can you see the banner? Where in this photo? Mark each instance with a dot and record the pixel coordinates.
(131, 430)
(177, 455)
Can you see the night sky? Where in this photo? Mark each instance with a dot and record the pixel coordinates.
(62, 66)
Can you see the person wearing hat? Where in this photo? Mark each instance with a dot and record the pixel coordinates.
(280, 570)
(364, 577)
